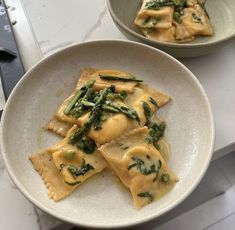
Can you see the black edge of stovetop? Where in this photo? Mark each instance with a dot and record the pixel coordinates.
(11, 67)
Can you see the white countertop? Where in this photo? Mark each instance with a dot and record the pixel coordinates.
(57, 24)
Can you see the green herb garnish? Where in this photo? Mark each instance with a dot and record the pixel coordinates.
(105, 107)
(149, 30)
(79, 107)
(146, 195)
(124, 147)
(115, 108)
(115, 78)
(110, 108)
(179, 4)
(131, 113)
(147, 112)
(123, 94)
(98, 122)
(145, 170)
(154, 21)
(137, 163)
(80, 172)
(94, 117)
(153, 102)
(146, 20)
(87, 145)
(165, 177)
(87, 103)
(76, 112)
(150, 22)
(73, 183)
(78, 95)
(156, 131)
(157, 4)
(112, 96)
(158, 169)
(75, 137)
(177, 17)
(156, 145)
(73, 169)
(196, 19)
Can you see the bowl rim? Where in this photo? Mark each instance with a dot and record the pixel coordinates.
(167, 44)
(34, 201)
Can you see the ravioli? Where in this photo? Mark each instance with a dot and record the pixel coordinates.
(142, 94)
(92, 74)
(112, 128)
(60, 115)
(140, 167)
(194, 22)
(57, 188)
(160, 19)
(173, 21)
(63, 167)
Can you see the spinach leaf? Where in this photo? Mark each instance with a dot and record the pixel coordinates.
(87, 145)
(147, 195)
(80, 93)
(153, 102)
(80, 172)
(145, 170)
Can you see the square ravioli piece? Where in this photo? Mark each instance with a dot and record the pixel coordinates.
(149, 17)
(140, 166)
(63, 167)
(194, 22)
(61, 115)
(143, 93)
(87, 76)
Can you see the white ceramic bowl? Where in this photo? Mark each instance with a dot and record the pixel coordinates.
(222, 17)
(101, 202)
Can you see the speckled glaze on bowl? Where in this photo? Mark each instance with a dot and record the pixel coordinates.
(222, 17)
(101, 202)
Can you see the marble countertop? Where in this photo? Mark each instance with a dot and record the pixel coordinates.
(54, 26)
